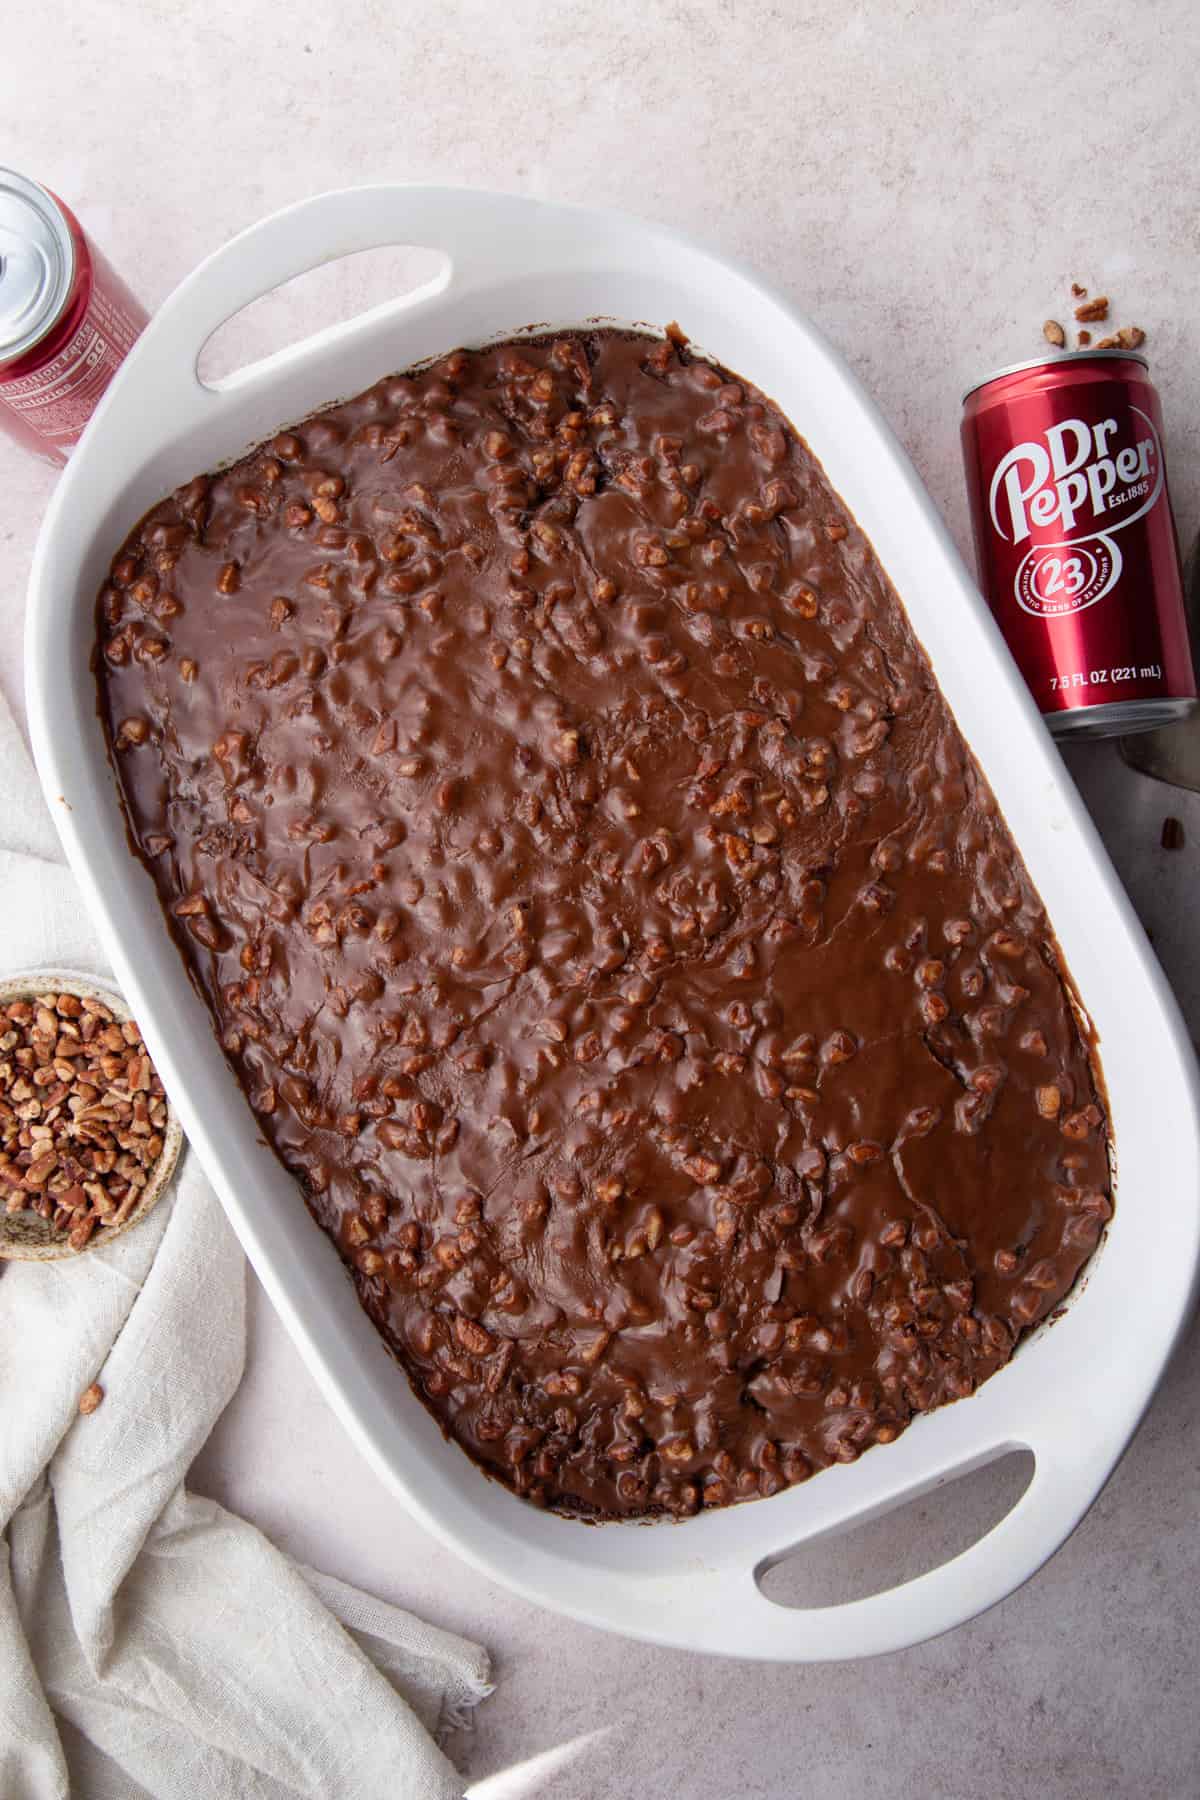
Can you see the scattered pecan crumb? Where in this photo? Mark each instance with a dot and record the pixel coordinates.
(1172, 833)
(1129, 337)
(1093, 310)
(90, 1398)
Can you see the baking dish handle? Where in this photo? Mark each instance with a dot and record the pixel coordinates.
(463, 225)
(748, 1623)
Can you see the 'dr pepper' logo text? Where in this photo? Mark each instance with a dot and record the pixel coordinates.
(1055, 490)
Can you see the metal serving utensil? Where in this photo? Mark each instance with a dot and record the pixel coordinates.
(1172, 753)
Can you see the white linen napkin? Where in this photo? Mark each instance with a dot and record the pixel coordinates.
(152, 1644)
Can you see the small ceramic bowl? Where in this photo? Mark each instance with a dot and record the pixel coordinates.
(26, 1236)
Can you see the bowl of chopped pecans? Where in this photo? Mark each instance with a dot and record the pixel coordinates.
(88, 1138)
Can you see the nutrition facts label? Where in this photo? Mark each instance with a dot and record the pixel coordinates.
(57, 400)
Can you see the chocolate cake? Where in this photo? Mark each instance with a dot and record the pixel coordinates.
(606, 920)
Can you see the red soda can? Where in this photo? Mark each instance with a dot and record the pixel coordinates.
(66, 320)
(1076, 543)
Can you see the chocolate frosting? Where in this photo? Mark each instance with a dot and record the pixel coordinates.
(605, 919)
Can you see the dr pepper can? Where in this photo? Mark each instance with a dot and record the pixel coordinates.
(1078, 555)
(66, 320)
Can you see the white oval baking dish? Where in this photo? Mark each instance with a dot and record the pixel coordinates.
(1075, 1393)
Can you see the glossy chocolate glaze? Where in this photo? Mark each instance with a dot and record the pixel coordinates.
(606, 920)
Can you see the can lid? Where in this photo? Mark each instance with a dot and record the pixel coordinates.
(37, 263)
(1056, 361)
